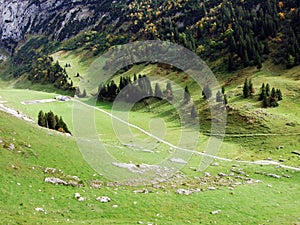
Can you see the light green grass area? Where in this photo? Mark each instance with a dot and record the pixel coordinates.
(22, 190)
(271, 201)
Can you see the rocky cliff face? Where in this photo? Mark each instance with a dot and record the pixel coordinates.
(59, 19)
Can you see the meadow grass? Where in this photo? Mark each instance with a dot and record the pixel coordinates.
(272, 201)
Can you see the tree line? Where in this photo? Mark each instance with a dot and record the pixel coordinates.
(52, 121)
(135, 90)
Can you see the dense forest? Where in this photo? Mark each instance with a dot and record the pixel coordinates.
(231, 34)
(242, 33)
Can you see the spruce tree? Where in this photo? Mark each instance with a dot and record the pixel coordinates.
(278, 94)
(51, 120)
(206, 93)
(42, 119)
(169, 86)
(251, 87)
(157, 92)
(267, 90)
(219, 96)
(273, 93)
(57, 120)
(262, 93)
(223, 90)
(246, 89)
(225, 99)
(194, 112)
(187, 96)
(265, 103)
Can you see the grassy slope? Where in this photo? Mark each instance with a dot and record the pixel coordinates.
(26, 168)
(266, 121)
(250, 204)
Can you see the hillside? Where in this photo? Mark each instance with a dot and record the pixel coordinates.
(156, 135)
(231, 189)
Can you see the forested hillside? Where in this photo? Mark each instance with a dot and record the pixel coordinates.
(229, 34)
(241, 33)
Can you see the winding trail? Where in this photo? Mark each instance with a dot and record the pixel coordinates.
(260, 162)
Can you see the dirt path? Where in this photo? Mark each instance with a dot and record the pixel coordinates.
(260, 162)
(15, 113)
(30, 102)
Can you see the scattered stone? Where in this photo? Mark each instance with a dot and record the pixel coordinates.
(55, 181)
(97, 184)
(18, 184)
(215, 212)
(11, 147)
(222, 174)
(269, 185)
(292, 124)
(187, 192)
(147, 150)
(78, 197)
(286, 176)
(211, 188)
(280, 147)
(215, 164)
(274, 176)
(52, 170)
(207, 174)
(178, 160)
(140, 222)
(39, 209)
(144, 191)
(103, 199)
(115, 206)
(27, 145)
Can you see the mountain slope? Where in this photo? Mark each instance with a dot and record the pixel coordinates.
(56, 19)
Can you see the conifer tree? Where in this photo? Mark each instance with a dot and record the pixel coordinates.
(51, 122)
(265, 102)
(251, 87)
(57, 120)
(263, 92)
(206, 93)
(273, 93)
(42, 119)
(267, 90)
(187, 96)
(223, 90)
(246, 89)
(225, 99)
(278, 94)
(157, 92)
(194, 112)
(219, 96)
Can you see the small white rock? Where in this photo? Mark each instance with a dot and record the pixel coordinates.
(216, 212)
(103, 199)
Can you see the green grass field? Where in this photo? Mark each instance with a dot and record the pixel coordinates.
(23, 189)
(271, 201)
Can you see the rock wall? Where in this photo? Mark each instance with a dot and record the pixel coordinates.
(57, 19)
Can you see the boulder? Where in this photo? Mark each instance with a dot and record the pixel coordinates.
(215, 212)
(56, 181)
(103, 199)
